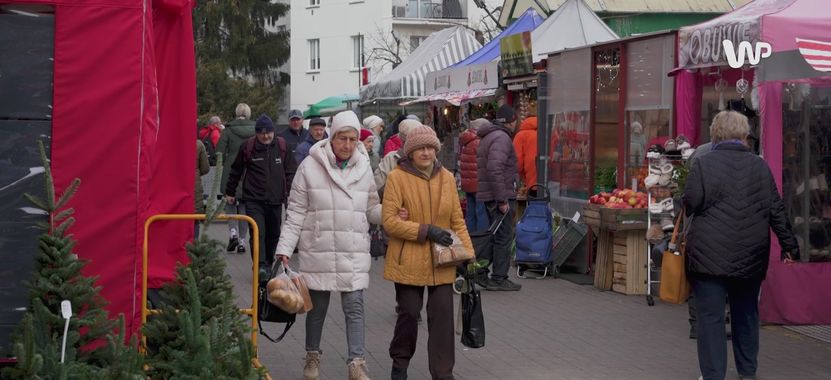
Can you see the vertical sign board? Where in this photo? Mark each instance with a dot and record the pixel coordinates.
(517, 58)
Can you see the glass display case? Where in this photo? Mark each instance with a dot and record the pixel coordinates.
(649, 98)
(806, 167)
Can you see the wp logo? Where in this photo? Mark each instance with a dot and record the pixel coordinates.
(736, 58)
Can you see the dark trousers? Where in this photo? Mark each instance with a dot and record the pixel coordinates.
(502, 239)
(268, 222)
(744, 316)
(440, 340)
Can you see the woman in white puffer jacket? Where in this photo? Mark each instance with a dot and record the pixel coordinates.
(333, 200)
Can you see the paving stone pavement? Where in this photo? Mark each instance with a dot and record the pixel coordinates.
(551, 329)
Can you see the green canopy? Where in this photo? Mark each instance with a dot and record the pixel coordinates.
(331, 105)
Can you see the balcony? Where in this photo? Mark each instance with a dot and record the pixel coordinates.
(430, 9)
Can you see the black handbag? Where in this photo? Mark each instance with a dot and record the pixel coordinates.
(268, 312)
(377, 242)
(473, 320)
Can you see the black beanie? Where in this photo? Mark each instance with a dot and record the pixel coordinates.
(264, 124)
(506, 113)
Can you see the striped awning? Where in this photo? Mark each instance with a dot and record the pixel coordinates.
(440, 50)
(816, 53)
(455, 98)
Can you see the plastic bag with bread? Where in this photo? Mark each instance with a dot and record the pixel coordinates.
(300, 282)
(284, 294)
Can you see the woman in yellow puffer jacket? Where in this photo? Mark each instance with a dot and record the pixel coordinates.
(428, 192)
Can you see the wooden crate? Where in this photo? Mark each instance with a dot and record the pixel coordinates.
(617, 219)
(629, 262)
(591, 215)
(604, 264)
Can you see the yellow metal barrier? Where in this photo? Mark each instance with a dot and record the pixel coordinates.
(255, 249)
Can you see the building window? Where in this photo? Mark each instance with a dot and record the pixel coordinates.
(415, 42)
(281, 28)
(314, 3)
(314, 54)
(358, 51)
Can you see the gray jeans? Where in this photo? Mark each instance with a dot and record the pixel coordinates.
(353, 310)
(240, 226)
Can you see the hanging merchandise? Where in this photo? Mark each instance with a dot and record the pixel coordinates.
(742, 85)
(720, 85)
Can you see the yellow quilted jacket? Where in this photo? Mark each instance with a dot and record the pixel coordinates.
(409, 257)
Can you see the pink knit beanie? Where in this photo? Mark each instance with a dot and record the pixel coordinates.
(420, 136)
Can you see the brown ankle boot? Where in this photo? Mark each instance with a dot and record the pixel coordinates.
(357, 369)
(312, 369)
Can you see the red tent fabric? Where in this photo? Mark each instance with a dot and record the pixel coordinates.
(123, 122)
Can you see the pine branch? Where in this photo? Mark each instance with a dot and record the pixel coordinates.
(63, 214)
(49, 185)
(39, 203)
(68, 193)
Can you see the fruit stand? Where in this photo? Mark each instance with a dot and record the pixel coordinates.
(618, 219)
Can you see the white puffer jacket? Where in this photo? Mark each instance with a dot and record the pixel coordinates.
(328, 216)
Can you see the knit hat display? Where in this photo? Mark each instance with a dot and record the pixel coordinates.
(405, 127)
(365, 134)
(345, 119)
(264, 124)
(372, 121)
(506, 113)
(419, 137)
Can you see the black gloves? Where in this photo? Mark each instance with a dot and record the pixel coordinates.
(439, 236)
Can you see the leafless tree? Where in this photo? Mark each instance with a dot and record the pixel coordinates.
(384, 49)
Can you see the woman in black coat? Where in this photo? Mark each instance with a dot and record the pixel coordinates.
(734, 203)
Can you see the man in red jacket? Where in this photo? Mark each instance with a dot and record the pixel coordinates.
(476, 216)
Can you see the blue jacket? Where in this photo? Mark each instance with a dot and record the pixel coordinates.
(303, 149)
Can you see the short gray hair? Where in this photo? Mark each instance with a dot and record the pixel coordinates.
(243, 111)
(215, 120)
(729, 125)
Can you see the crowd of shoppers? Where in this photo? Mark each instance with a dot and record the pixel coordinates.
(335, 185)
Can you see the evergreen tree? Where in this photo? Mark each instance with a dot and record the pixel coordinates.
(200, 332)
(57, 276)
(237, 56)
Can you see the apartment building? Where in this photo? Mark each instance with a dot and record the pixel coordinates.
(332, 40)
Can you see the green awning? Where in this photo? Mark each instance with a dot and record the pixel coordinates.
(331, 105)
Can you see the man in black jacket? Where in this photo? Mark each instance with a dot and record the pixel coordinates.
(734, 203)
(266, 169)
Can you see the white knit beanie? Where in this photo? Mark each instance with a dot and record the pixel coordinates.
(372, 121)
(345, 119)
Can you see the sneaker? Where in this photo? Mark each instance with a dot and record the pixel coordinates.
(503, 285)
(357, 369)
(482, 280)
(241, 248)
(311, 371)
(233, 242)
(398, 374)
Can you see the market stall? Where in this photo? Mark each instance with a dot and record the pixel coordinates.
(607, 104)
(791, 93)
(408, 81)
(467, 90)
